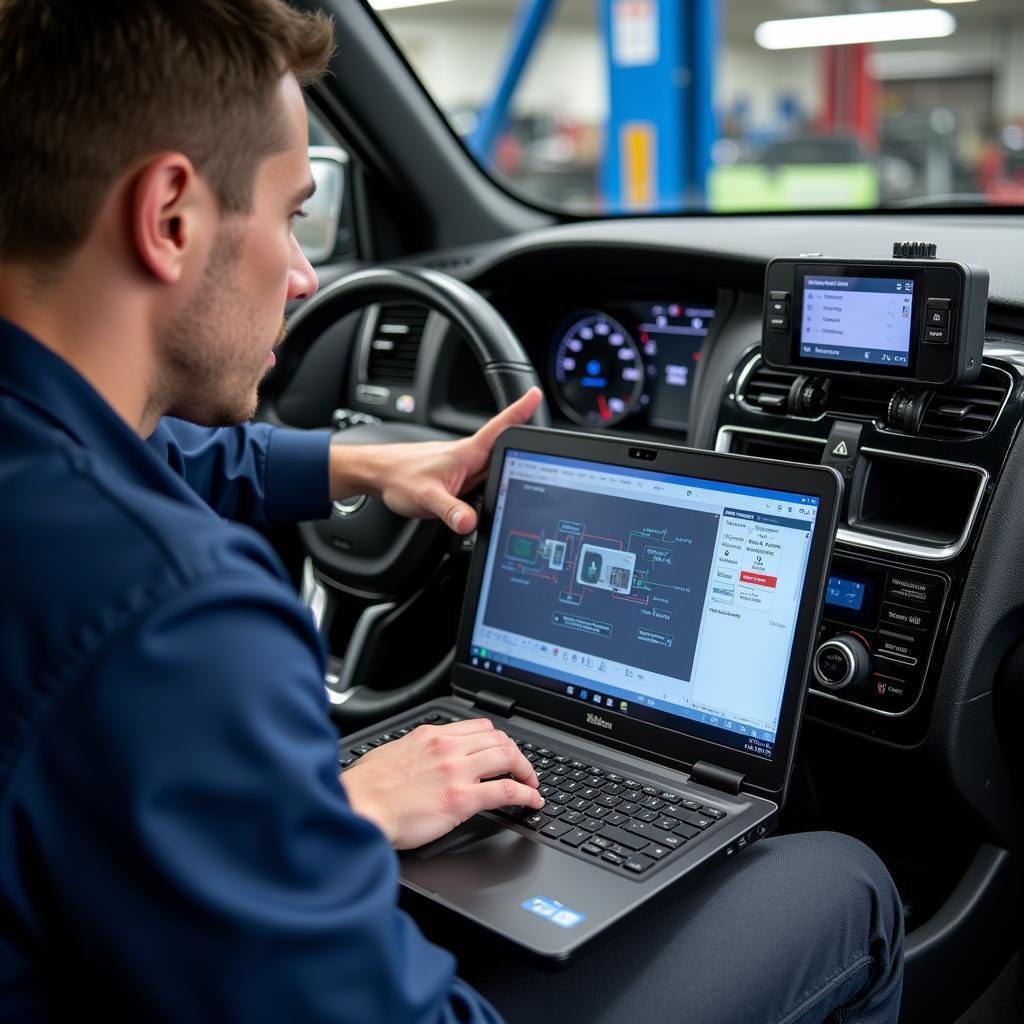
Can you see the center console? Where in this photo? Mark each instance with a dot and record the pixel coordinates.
(846, 373)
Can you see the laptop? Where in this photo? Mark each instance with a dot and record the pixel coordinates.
(640, 619)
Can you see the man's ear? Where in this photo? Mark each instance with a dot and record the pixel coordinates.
(168, 204)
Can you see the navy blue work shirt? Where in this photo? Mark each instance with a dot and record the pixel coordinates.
(174, 842)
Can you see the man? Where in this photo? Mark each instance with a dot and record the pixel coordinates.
(174, 841)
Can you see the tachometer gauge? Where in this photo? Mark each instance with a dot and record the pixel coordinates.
(599, 375)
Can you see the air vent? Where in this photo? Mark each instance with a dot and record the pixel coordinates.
(968, 410)
(767, 389)
(847, 397)
(395, 343)
(954, 414)
(859, 398)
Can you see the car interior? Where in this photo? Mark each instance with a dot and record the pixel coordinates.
(446, 291)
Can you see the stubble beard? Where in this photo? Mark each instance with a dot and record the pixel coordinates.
(210, 368)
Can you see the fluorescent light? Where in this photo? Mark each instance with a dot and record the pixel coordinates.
(391, 5)
(954, 1)
(843, 29)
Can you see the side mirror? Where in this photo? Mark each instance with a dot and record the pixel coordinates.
(317, 232)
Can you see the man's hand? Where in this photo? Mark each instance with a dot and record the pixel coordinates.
(425, 480)
(421, 786)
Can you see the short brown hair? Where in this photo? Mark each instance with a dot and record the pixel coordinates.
(90, 87)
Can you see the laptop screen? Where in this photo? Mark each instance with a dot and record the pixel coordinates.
(669, 599)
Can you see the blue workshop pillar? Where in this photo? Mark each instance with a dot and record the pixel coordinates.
(703, 62)
(661, 65)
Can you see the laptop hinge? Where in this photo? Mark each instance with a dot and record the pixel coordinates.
(494, 703)
(717, 778)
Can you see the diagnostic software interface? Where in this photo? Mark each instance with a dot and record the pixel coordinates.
(857, 319)
(669, 599)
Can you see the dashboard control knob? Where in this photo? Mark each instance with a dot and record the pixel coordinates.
(842, 664)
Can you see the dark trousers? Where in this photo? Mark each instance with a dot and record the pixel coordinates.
(802, 928)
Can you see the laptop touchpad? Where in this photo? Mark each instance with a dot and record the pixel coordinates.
(471, 835)
(478, 853)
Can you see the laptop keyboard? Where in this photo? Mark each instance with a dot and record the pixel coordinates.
(614, 820)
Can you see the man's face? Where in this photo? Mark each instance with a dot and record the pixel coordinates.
(219, 346)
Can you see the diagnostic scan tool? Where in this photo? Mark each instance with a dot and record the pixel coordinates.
(914, 318)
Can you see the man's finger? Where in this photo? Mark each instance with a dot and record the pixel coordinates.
(501, 792)
(495, 761)
(456, 515)
(518, 412)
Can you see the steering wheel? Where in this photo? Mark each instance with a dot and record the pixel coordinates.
(364, 546)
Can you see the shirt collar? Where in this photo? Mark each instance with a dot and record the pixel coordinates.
(38, 377)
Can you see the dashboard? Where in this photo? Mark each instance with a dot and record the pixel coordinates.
(642, 330)
(680, 360)
(638, 329)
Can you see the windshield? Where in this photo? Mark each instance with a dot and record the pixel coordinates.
(632, 106)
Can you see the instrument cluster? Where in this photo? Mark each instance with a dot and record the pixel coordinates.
(630, 359)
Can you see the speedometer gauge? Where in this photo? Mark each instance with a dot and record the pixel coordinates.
(598, 372)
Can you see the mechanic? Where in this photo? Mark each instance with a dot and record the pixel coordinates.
(174, 840)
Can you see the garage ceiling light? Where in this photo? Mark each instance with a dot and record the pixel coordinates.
(843, 29)
(390, 5)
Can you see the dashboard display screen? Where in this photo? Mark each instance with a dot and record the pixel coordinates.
(844, 593)
(671, 336)
(857, 319)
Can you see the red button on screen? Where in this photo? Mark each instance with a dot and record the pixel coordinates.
(759, 579)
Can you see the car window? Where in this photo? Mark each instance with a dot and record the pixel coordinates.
(631, 106)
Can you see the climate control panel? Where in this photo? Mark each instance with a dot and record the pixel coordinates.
(877, 633)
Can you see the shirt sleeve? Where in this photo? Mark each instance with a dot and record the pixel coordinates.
(253, 473)
(182, 813)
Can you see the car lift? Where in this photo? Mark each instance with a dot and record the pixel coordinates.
(661, 62)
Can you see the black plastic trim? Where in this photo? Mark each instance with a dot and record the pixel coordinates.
(940, 982)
